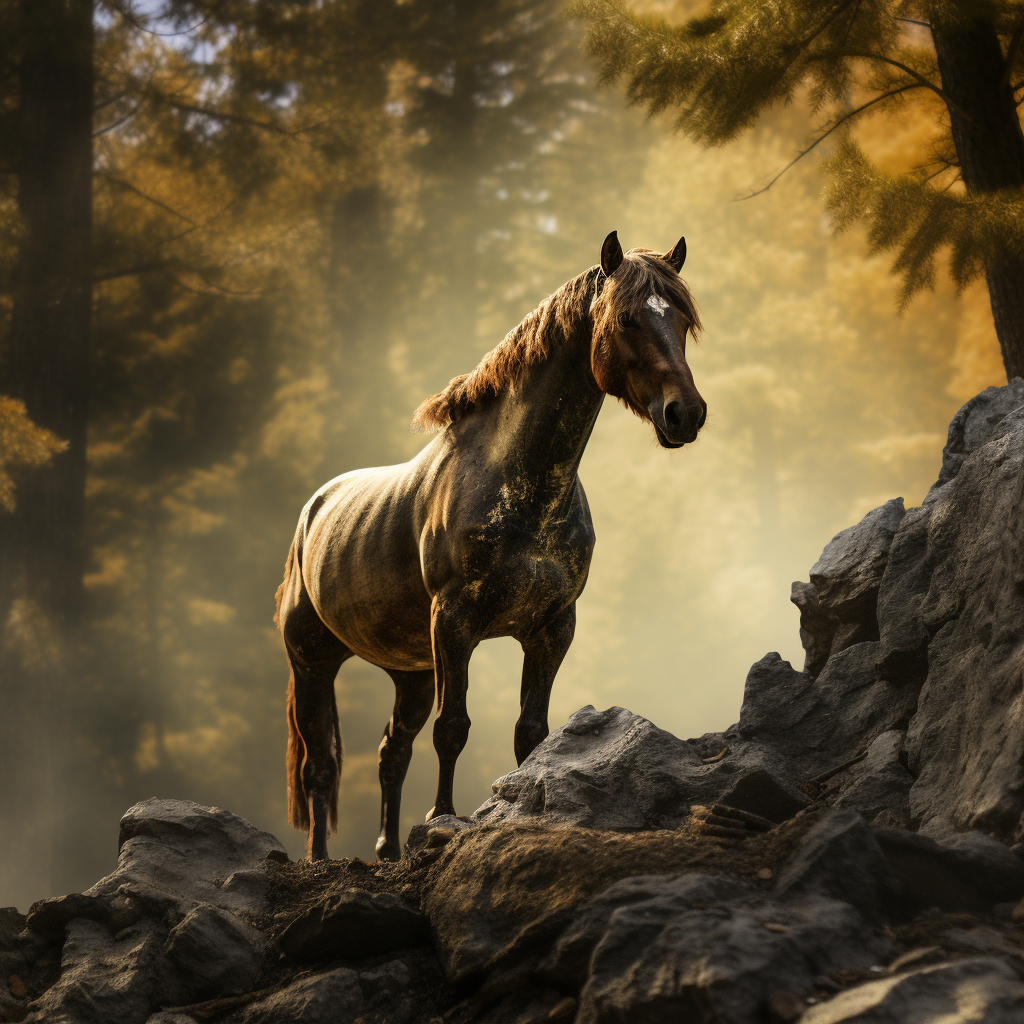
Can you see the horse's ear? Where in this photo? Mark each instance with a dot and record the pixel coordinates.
(611, 254)
(677, 257)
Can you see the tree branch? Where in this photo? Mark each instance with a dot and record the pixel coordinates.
(142, 195)
(821, 138)
(120, 121)
(926, 82)
(142, 268)
(218, 115)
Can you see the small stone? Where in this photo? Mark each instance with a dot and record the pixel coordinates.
(764, 873)
(773, 927)
(17, 987)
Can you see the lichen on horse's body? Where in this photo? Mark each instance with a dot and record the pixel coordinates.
(485, 533)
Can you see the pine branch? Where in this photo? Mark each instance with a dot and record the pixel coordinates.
(821, 138)
(926, 82)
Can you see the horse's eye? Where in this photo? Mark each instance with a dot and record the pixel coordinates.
(624, 320)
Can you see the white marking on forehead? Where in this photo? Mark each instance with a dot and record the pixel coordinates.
(658, 304)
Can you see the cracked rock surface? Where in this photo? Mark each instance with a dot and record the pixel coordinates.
(848, 851)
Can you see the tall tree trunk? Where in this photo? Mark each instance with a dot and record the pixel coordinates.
(990, 147)
(46, 365)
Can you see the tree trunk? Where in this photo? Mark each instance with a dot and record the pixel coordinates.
(46, 365)
(990, 148)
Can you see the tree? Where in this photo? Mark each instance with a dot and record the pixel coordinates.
(851, 59)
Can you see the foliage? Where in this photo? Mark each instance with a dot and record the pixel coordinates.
(22, 443)
(847, 61)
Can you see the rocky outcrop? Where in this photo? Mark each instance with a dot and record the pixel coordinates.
(848, 851)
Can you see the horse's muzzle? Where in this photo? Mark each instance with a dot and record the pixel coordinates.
(677, 421)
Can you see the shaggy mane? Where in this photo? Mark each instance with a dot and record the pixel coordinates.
(642, 272)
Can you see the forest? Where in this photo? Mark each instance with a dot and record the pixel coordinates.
(241, 240)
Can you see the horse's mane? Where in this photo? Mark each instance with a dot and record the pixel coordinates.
(642, 272)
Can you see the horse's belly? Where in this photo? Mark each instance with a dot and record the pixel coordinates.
(384, 622)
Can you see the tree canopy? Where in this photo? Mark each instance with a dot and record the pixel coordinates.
(960, 62)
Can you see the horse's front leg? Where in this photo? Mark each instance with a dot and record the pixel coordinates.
(452, 644)
(543, 654)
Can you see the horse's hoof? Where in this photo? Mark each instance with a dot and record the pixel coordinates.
(435, 813)
(388, 850)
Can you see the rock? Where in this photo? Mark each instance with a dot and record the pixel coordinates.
(958, 595)
(878, 786)
(174, 921)
(699, 947)
(806, 726)
(215, 952)
(448, 824)
(760, 792)
(970, 877)
(615, 770)
(977, 422)
(321, 999)
(499, 894)
(353, 926)
(817, 627)
(839, 609)
(387, 991)
(104, 979)
(610, 770)
(840, 858)
(979, 989)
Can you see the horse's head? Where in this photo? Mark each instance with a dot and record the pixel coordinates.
(641, 316)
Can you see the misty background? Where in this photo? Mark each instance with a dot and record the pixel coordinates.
(306, 219)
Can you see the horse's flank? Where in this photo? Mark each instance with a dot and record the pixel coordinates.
(624, 293)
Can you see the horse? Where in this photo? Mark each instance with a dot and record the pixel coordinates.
(485, 533)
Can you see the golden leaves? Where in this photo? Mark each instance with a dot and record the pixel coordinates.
(22, 443)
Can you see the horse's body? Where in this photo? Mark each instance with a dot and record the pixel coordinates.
(485, 533)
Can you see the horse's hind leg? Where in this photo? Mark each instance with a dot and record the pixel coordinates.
(414, 697)
(314, 735)
(543, 654)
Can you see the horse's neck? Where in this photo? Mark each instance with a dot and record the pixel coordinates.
(542, 425)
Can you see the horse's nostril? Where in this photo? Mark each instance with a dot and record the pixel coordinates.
(703, 416)
(672, 417)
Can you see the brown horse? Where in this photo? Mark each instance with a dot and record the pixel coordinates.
(485, 533)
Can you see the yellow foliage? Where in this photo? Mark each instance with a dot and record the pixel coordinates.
(22, 443)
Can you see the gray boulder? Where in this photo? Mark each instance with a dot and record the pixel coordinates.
(174, 923)
(321, 999)
(980, 989)
(838, 606)
(699, 947)
(840, 858)
(615, 770)
(805, 726)
(215, 953)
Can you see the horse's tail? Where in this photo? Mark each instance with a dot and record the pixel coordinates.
(298, 805)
